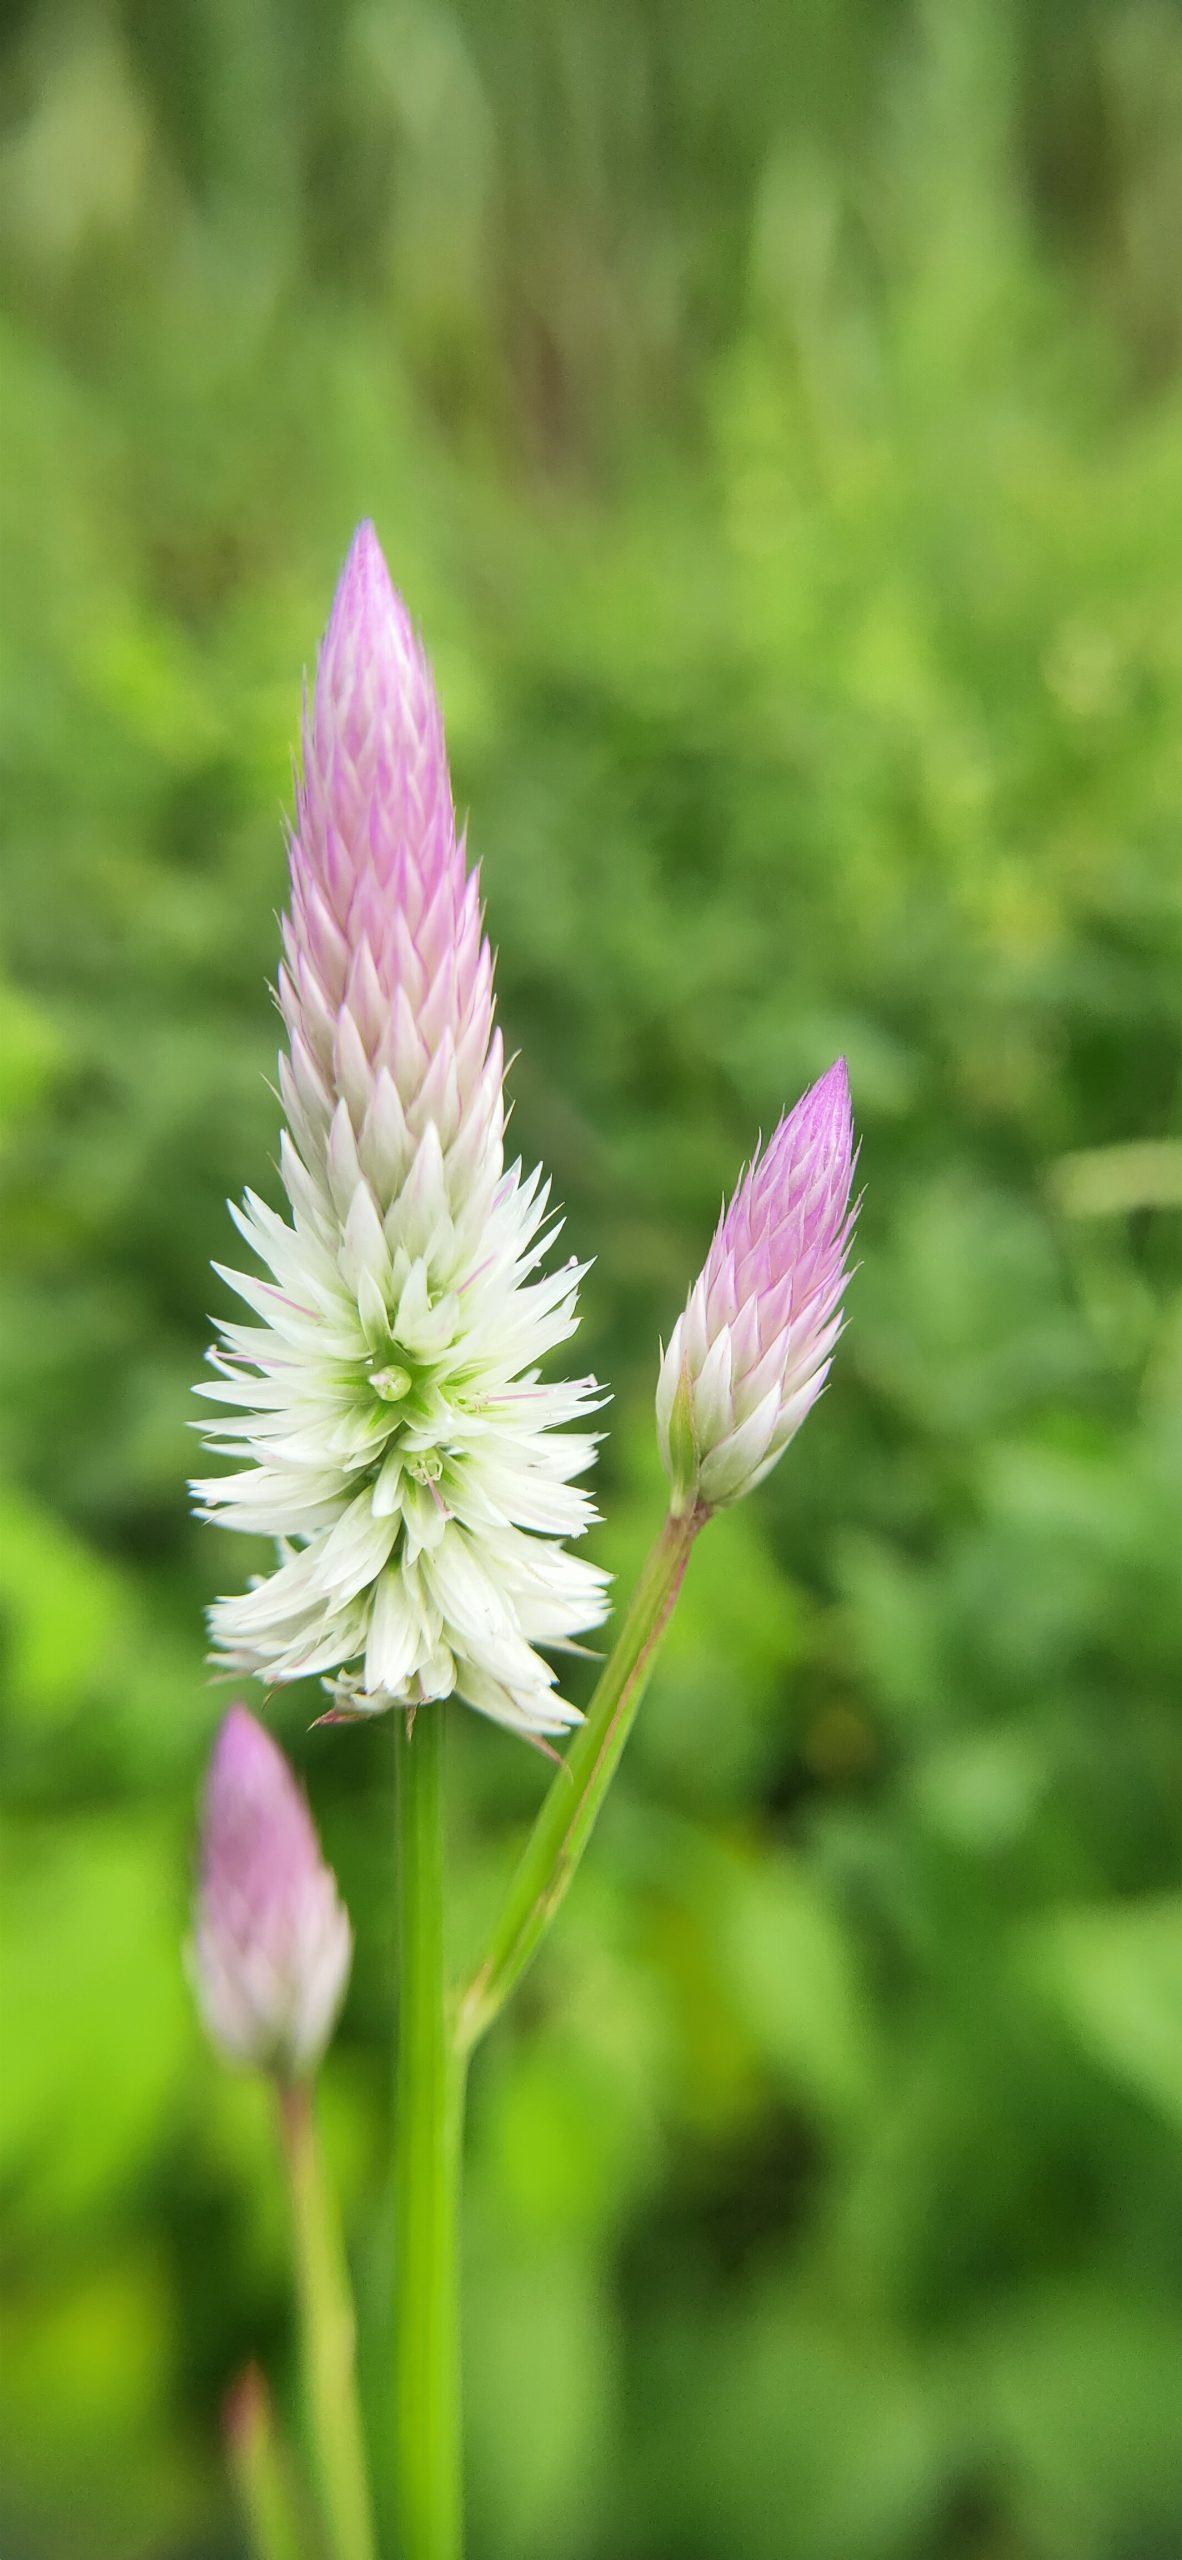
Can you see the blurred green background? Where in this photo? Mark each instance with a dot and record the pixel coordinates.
(773, 416)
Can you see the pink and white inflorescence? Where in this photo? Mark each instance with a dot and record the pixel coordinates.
(393, 1430)
(753, 1349)
(272, 1944)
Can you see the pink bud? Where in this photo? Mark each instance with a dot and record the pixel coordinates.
(272, 1943)
(752, 1350)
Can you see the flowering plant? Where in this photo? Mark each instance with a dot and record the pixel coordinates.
(392, 1431)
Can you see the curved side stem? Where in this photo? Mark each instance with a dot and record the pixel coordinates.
(572, 1805)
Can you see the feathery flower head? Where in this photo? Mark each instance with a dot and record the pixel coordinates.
(391, 1426)
(752, 1350)
(272, 1944)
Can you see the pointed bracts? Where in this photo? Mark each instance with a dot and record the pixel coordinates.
(272, 1944)
(751, 1353)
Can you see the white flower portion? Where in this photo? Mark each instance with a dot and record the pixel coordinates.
(402, 1446)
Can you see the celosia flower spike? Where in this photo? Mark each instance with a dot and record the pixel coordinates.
(272, 1944)
(753, 1349)
(393, 1432)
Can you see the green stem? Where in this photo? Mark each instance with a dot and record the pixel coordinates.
(258, 2471)
(571, 1807)
(429, 2108)
(327, 2334)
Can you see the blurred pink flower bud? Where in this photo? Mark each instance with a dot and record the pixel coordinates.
(752, 1350)
(272, 1943)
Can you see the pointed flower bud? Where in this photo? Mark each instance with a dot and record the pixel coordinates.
(385, 1407)
(272, 1944)
(752, 1350)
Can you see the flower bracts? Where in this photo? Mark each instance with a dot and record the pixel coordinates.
(272, 1944)
(385, 1408)
(752, 1351)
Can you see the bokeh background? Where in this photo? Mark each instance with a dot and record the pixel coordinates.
(773, 416)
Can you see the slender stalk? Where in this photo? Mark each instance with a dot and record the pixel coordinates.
(326, 2334)
(571, 1807)
(429, 2104)
(259, 2473)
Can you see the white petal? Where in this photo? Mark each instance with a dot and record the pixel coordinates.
(395, 1640)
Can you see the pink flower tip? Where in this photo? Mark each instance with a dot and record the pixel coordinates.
(272, 1944)
(365, 591)
(372, 674)
(751, 1352)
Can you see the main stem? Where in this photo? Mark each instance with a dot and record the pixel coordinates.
(429, 2098)
(433, 2043)
(571, 1807)
(327, 2335)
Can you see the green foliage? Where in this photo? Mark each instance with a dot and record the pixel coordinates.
(773, 422)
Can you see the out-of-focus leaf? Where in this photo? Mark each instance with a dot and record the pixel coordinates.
(542, 2334)
(800, 2437)
(792, 1973)
(1077, 2392)
(97, 2014)
(1115, 1974)
(63, 1611)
